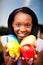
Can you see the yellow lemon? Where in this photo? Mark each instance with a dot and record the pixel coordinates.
(13, 48)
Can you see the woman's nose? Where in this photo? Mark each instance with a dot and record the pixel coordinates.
(22, 28)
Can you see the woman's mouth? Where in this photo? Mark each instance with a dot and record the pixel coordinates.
(21, 36)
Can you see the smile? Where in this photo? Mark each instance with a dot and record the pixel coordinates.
(21, 35)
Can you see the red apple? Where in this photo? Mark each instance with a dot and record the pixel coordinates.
(28, 51)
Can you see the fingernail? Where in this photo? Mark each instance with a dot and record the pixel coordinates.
(22, 58)
(35, 56)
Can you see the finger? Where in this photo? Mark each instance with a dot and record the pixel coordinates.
(36, 50)
(13, 56)
(35, 57)
(21, 58)
(15, 59)
(7, 50)
(30, 61)
(34, 46)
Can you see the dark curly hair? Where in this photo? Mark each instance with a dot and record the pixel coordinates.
(27, 11)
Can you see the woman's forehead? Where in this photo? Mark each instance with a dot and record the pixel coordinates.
(22, 16)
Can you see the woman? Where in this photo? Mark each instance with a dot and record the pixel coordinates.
(21, 23)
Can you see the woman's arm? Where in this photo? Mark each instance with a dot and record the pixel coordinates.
(7, 59)
(39, 60)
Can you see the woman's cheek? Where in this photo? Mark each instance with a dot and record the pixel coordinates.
(16, 29)
(29, 30)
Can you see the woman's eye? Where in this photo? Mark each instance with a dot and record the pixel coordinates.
(27, 25)
(17, 25)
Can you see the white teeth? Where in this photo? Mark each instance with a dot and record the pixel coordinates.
(21, 35)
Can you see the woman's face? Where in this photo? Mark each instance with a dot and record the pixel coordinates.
(22, 25)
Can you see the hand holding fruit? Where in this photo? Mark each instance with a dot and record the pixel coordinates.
(27, 47)
(13, 47)
(28, 50)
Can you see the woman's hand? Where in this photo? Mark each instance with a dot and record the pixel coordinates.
(29, 61)
(24, 61)
(13, 57)
(8, 59)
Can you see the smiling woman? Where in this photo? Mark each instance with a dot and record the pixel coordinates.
(21, 23)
